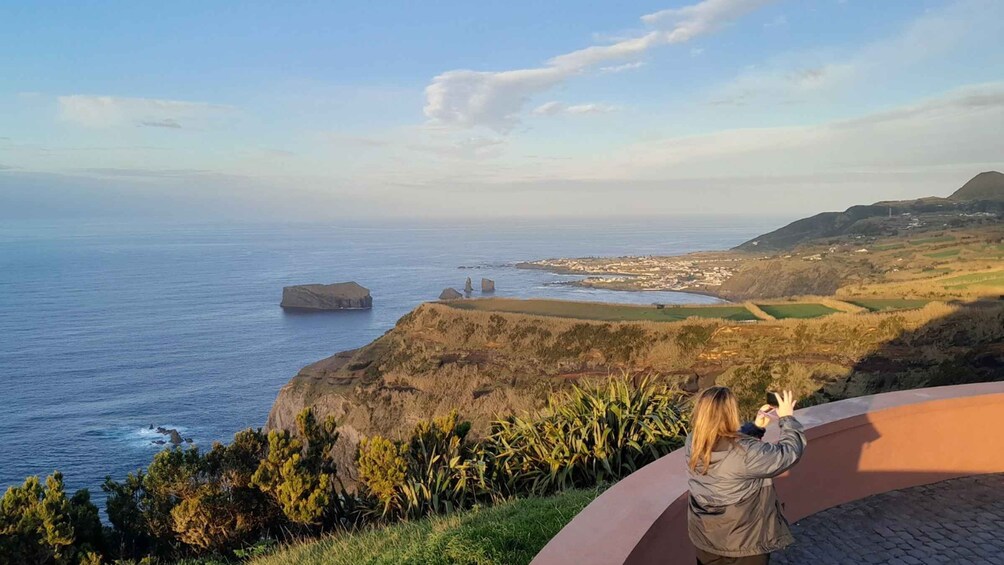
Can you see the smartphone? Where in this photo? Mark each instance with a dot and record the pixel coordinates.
(772, 399)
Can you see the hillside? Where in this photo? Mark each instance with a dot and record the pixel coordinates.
(439, 358)
(988, 185)
(980, 199)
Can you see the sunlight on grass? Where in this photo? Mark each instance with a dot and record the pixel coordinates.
(995, 279)
(885, 304)
(604, 312)
(511, 533)
(781, 311)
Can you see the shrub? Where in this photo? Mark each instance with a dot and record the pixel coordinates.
(585, 437)
(194, 501)
(299, 473)
(436, 471)
(383, 469)
(38, 524)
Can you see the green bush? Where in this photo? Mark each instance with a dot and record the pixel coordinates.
(39, 525)
(585, 437)
(436, 471)
(190, 502)
(299, 473)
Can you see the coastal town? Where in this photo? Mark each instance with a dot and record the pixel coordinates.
(693, 273)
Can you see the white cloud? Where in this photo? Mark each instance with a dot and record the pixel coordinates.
(624, 67)
(555, 108)
(945, 131)
(467, 98)
(702, 18)
(112, 111)
(801, 75)
(929, 147)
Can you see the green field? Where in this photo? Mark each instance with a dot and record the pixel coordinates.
(781, 311)
(603, 311)
(888, 247)
(939, 239)
(885, 304)
(995, 279)
(511, 533)
(944, 254)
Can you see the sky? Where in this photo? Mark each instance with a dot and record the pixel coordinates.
(319, 110)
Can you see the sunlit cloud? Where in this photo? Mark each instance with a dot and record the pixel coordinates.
(495, 99)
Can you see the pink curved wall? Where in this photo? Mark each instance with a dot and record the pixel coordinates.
(857, 447)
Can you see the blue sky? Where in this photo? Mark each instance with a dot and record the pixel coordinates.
(319, 109)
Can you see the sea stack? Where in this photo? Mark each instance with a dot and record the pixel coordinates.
(487, 285)
(338, 296)
(468, 286)
(450, 294)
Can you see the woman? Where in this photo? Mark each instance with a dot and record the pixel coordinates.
(734, 515)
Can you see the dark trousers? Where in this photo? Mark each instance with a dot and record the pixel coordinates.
(705, 558)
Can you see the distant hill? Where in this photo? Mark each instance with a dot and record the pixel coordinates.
(979, 198)
(984, 186)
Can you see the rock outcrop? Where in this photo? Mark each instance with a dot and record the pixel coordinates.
(468, 286)
(450, 294)
(173, 435)
(487, 285)
(338, 296)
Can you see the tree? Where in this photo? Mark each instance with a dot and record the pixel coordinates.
(40, 525)
(191, 501)
(299, 473)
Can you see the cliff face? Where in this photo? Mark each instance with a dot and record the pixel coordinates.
(338, 296)
(485, 365)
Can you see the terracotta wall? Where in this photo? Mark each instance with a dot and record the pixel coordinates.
(857, 447)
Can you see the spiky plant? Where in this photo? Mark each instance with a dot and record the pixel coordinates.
(586, 436)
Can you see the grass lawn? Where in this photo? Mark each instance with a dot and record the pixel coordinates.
(780, 311)
(603, 311)
(939, 239)
(508, 534)
(885, 304)
(944, 254)
(995, 279)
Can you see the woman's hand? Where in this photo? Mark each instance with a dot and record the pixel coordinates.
(786, 404)
(763, 416)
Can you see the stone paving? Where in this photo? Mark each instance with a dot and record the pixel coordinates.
(958, 521)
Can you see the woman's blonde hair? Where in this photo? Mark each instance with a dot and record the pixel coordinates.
(715, 417)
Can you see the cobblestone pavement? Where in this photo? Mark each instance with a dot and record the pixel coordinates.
(958, 521)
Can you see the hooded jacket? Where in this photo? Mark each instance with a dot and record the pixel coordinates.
(734, 511)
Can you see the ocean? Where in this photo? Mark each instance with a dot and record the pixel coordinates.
(107, 329)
